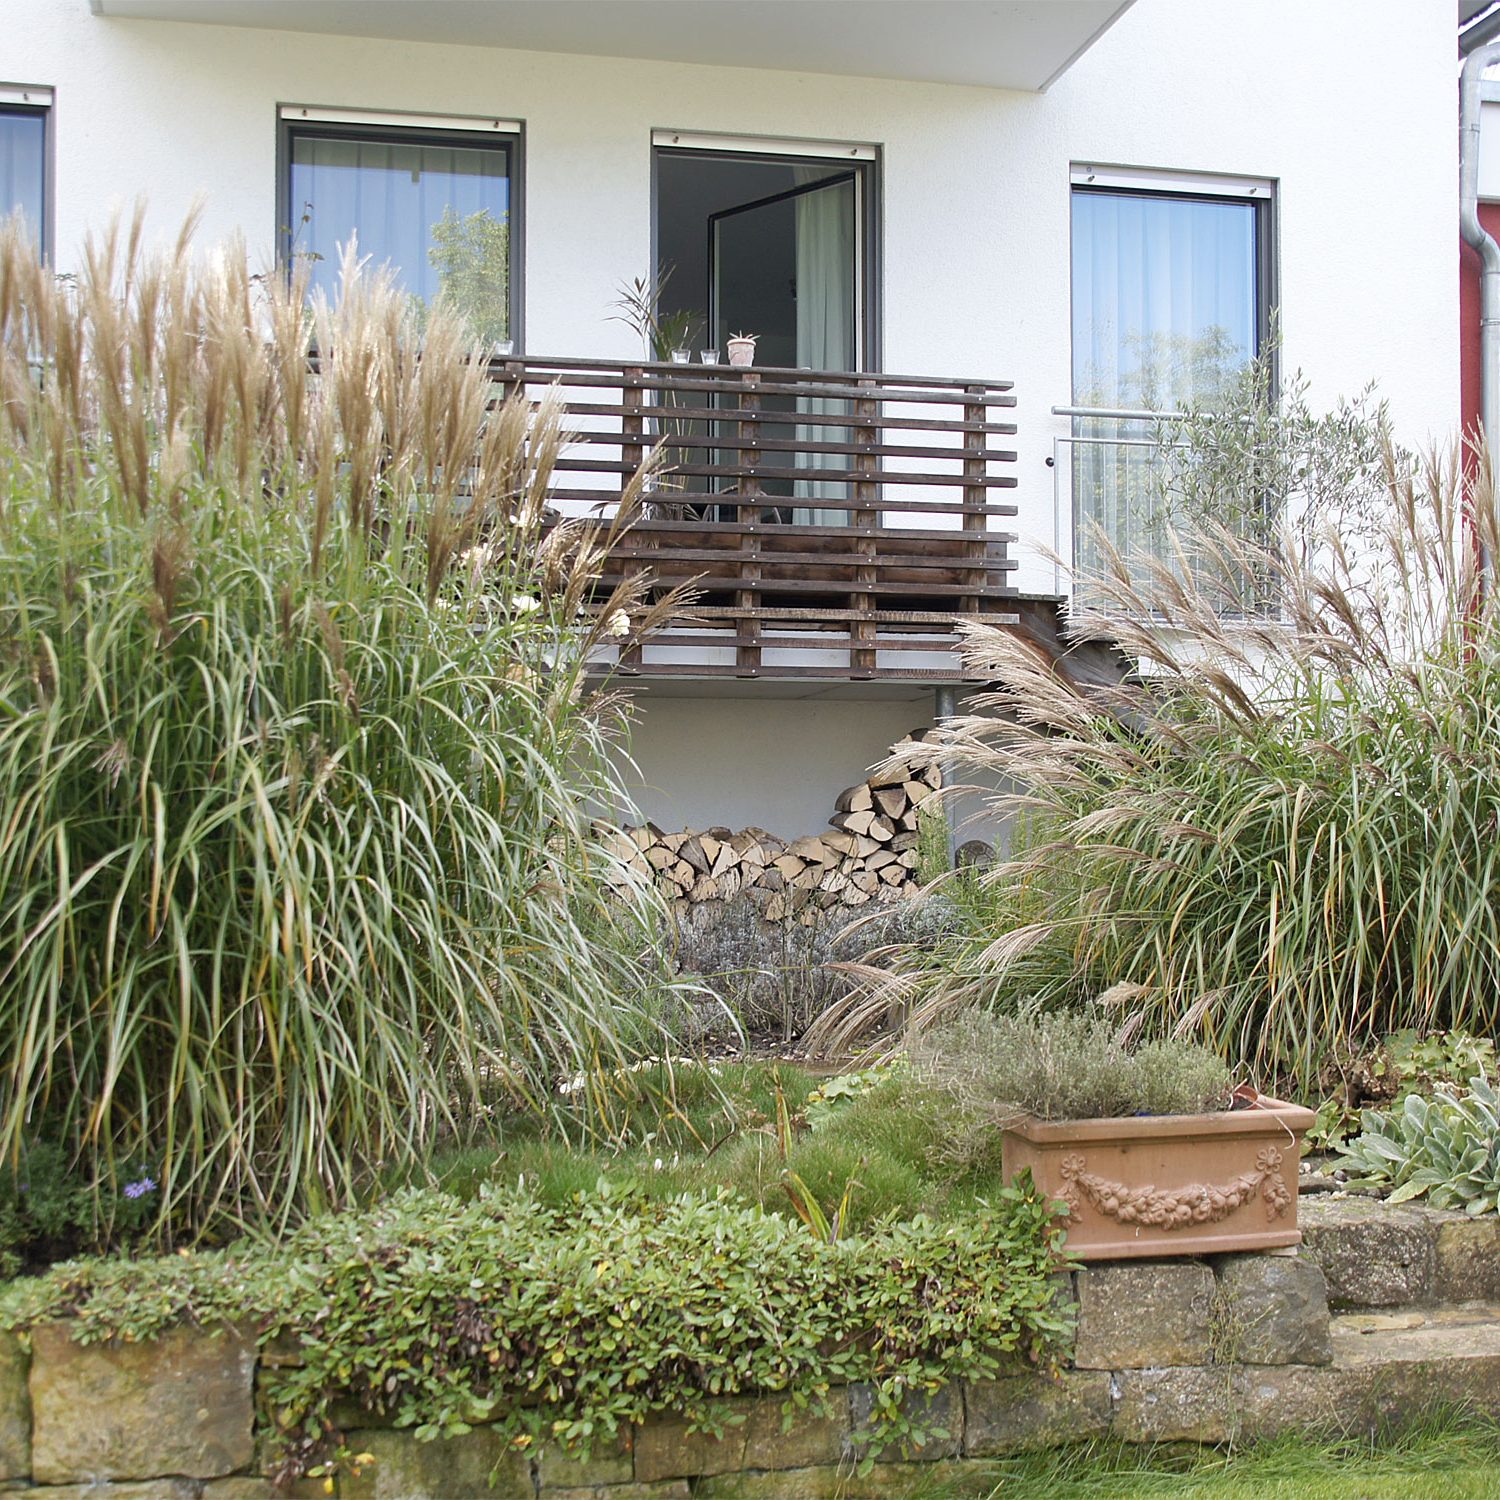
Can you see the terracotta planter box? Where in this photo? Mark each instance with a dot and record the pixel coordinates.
(1169, 1184)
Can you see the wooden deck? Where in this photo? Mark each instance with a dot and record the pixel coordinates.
(832, 525)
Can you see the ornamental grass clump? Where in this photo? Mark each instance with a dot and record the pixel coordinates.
(1280, 833)
(296, 875)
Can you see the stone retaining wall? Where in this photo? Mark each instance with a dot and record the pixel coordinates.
(1177, 1350)
(1375, 1255)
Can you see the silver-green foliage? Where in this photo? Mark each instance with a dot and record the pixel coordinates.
(295, 873)
(1447, 1147)
(1065, 1066)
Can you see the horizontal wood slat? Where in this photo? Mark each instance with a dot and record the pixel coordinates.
(730, 499)
(535, 367)
(853, 512)
(797, 445)
(783, 419)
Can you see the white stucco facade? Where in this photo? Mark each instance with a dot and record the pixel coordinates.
(1347, 106)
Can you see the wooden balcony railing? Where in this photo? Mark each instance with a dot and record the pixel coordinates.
(833, 525)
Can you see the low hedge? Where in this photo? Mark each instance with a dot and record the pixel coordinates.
(561, 1324)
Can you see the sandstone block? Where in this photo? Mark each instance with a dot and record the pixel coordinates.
(1372, 1255)
(883, 1482)
(1187, 1405)
(1030, 1411)
(666, 1489)
(149, 1489)
(1144, 1313)
(609, 1463)
(1272, 1310)
(480, 1465)
(941, 1410)
(178, 1404)
(754, 1439)
(1383, 1375)
(1287, 1398)
(15, 1409)
(1468, 1260)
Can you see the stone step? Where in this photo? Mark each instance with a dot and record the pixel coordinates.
(1387, 1367)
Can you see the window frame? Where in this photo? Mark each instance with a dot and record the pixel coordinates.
(316, 122)
(1194, 187)
(38, 101)
(864, 161)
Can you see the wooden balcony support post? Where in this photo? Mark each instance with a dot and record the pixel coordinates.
(747, 509)
(975, 525)
(866, 517)
(632, 455)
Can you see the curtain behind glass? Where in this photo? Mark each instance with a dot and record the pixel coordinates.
(1164, 314)
(396, 196)
(825, 329)
(23, 170)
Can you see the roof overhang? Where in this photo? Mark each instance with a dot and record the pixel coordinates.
(1010, 44)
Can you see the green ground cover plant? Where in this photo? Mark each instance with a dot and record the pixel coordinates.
(1277, 834)
(558, 1323)
(295, 749)
(1381, 1077)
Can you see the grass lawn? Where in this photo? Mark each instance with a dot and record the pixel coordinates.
(741, 1126)
(1451, 1457)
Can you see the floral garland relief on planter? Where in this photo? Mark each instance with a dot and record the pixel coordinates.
(1177, 1208)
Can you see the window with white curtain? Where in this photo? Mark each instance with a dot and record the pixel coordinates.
(23, 159)
(1170, 305)
(436, 205)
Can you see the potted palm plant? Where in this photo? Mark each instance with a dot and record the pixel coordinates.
(1150, 1149)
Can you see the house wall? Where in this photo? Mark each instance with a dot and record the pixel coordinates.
(1346, 104)
(708, 761)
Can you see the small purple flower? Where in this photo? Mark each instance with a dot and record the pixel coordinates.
(139, 1189)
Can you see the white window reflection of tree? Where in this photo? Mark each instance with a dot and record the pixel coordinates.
(438, 213)
(1167, 314)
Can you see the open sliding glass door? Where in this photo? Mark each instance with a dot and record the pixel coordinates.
(788, 268)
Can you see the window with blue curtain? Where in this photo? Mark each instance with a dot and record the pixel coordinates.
(1168, 309)
(435, 207)
(23, 166)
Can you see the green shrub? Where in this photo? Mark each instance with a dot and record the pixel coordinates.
(1277, 834)
(562, 1323)
(1447, 1147)
(294, 748)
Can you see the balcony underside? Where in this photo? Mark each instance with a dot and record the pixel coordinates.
(1014, 44)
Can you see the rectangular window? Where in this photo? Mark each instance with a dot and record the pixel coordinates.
(23, 157)
(1171, 302)
(436, 202)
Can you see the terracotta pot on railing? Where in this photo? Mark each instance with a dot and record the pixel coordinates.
(742, 349)
(1169, 1184)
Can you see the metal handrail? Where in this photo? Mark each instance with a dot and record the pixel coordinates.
(1119, 414)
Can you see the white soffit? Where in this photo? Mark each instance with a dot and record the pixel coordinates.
(1011, 44)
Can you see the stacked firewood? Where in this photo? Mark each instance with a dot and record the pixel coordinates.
(871, 855)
